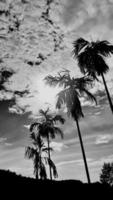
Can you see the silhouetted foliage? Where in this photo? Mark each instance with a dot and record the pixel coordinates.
(47, 128)
(90, 57)
(73, 89)
(35, 153)
(106, 175)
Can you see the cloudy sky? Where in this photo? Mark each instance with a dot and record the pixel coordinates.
(36, 40)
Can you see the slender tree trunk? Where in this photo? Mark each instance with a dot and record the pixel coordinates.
(36, 169)
(107, 92)
(37, 176)
(83, 152)
(39, 166)
(49, 156)
(39, 160)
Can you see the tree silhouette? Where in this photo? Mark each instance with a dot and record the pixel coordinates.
(90, 57)
(106, 175)
(73, 88)
(35, 153)
(48, 129)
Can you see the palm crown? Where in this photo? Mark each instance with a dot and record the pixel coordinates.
(48, 126)
(90, 56)
(73, 89)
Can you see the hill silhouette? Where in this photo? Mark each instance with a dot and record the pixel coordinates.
(13, 185)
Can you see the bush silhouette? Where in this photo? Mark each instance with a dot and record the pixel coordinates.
(106, 175)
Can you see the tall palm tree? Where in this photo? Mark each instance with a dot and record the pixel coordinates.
(49, 129)
(73, 88)
(39, 161)
(90, 57)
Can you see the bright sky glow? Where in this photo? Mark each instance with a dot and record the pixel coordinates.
(47, 94)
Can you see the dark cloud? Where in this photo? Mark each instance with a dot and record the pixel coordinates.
(11, 125)
(4, 76)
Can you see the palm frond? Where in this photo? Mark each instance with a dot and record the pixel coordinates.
(81, 85)
(61, 98)
(58, 131)
(30, 152)
(42, 171)
(33, 125)
(85, 61)
(33, 137)
(75, 111)
(52, 80)
(90, 96)
(83, 82)
(58, 118)
(36, 163)
(93, 75)
(40, 143)
(44, 112)
(39, 167)
(53, 167)
(51, 132)
(69, 97)
(100, 65)
(46, 149)
(59, 80)
(92, 63)
(103, 48)
(46, 129)
(79, 44)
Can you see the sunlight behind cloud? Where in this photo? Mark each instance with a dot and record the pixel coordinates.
(47, 94)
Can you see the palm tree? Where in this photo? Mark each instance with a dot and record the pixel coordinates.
(73, 88)
(39, 161)
(35, 153)
(90, 57)
(48, 129)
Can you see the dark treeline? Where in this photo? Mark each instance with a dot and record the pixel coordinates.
(13, 185)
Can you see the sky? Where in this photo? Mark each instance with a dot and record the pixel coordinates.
(34, 44)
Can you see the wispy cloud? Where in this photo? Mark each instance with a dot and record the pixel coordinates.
(15, 109)
(27, 126)
(104, 138)
(70, 162)
(98, 113)
(8, 144)
(57, 146)
(101, 161)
